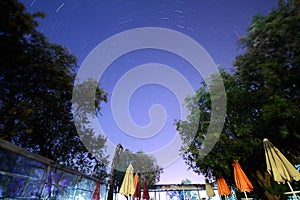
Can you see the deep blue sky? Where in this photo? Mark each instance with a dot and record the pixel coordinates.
(217, 25)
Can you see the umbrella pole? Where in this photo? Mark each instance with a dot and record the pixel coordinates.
(245, 195)
(292, 190)
(198, 194)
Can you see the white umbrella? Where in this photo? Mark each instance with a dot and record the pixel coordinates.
(278, 166)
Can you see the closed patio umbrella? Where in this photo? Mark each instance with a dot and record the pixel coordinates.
(279, 167)
(241, 180)
(223, 188)
(146, 191)
(137, 193)
(135, 180)
(209, 191)
(96, 194)
(127, 187)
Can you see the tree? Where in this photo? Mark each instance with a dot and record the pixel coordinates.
(145, 165)
(148, 168)
(36, 79)
(194, 131)
(263, 99)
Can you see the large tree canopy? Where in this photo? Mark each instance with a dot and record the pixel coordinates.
(263, 101)
(36, 79)
(144, 165)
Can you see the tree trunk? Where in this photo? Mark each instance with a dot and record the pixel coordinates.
(118, 151)
(264, 182)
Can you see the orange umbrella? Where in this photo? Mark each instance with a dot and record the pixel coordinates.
(135, 180)
(96, 195)
(223, 188)
(145, 191)
(241, 180)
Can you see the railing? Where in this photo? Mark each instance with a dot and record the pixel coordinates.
(25, 175)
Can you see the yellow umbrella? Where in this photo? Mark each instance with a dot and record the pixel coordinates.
(282, 170)
(209, 191)
(127, 187)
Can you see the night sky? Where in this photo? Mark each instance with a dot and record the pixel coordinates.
(82, 25)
